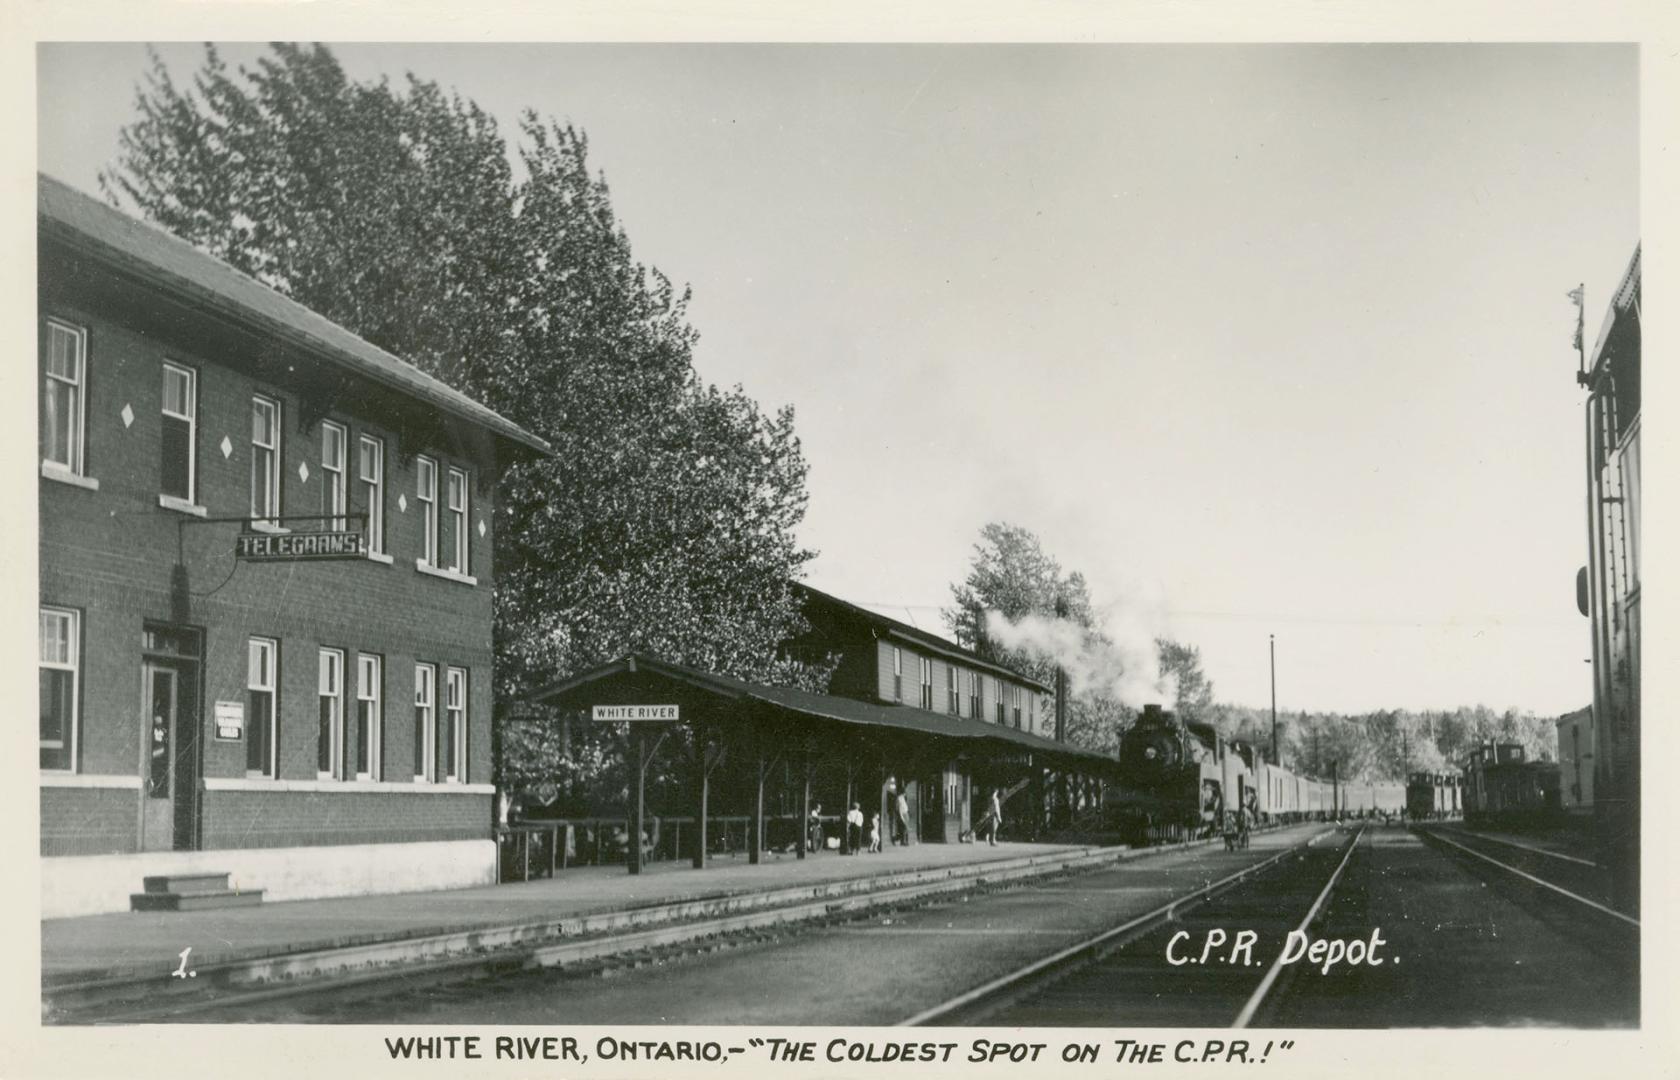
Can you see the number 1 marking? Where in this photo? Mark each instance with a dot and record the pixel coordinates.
(182, 972)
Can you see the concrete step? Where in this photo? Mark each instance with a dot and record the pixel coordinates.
(197, 900)
(186, 883)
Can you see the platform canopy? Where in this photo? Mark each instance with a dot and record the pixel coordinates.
(640, 680)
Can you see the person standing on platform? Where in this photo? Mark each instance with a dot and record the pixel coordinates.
(901, 820)
(875, 833)
(815, 828)
(994, 815)
(854, 829)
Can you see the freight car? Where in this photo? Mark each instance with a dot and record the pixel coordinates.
(1432, 796)
(1503, 790)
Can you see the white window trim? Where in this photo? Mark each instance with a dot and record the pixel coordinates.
(426, 495)
(175, 502)
(460, 733)
(448, 575)
(74, 666)
(54, 778)
(275, 471)
(335, 729)
(335, 481)
(273, 691)
(376, 504)
(78, 467)
(322, 787)
(428, 729)
(463, 545)
(170, 502)
(52, 470)
(376, 741)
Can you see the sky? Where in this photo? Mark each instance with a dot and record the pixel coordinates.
(1264, 340)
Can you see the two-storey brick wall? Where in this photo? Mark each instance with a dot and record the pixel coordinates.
(109, 554)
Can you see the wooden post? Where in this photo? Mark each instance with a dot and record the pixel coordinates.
(755, 841)
(846, 847)
(633, 851)
(805, 806)
(703, 777)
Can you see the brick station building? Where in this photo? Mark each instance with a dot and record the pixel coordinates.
(265, 584)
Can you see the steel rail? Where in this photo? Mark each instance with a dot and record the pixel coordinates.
(1265, 987)
(1436, 831)
(1130, 927)
(1542, 882)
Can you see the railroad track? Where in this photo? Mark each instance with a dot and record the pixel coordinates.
(1575, 882)
(1127, 974)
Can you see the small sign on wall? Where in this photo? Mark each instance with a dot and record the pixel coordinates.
(636, 712)
(230, 720)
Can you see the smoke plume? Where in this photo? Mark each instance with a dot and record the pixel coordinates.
(1119, 660)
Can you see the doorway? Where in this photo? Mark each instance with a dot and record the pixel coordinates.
(170, 739)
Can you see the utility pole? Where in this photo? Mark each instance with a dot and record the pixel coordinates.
(1271, 640)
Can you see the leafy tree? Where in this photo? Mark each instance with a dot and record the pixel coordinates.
(1183, 665)
(664, 521)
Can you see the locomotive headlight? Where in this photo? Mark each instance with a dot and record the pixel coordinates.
(1149, 752)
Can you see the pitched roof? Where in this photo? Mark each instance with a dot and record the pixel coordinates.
(917, 636)
(103, 232)
(820, 706)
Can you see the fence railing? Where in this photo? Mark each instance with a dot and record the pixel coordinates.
(538, 849)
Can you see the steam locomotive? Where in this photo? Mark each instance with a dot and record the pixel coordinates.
(1181, 781)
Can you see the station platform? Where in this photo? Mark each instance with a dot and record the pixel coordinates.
(149, 944)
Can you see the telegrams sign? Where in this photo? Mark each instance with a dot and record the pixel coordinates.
(636, 712)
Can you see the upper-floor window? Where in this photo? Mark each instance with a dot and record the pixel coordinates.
(974, 696)
(180, 433)
(927, 683)
(335, 496)
(61, 670)
(425, 490)
(370, 471)
(64, 397)
(262, 718)
(455, 710)
(265, 460)
(953, 696)
(457, 521)
(369, 698)
(997, 696)
(1015, 704)
(898, 673)
(330, 746)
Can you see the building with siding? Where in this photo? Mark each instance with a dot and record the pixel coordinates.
(299, 723)
(882, 659)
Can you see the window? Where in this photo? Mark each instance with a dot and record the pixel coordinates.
(425, 721)
(330, 743)
(425, 473)
(1015, 705)
(265, 460)
(334, 496)
(455, 737)
(61, 655)
(368, 735)
(953, 698)
(974, 696)
(457, 493)
(63, 396)
(371, 471)
(997, 696)
(180, 433)
(898, 673)
(262, 718)
(927, 683)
